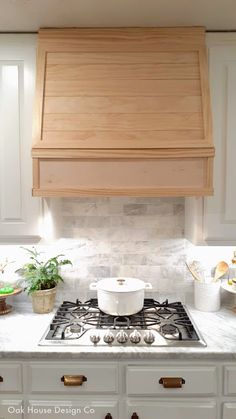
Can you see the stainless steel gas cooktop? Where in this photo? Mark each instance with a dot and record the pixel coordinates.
(157, 324)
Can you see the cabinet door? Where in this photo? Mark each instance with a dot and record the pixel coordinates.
(11, 409)
(65, 409)
(144, 380)
(220, 210)
(229, 411)
(170, 410)
(45, 378)
(10, 378)
(213, 220)
(19, 211)
(230, 380)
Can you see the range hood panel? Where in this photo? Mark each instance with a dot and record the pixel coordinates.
(117, 93)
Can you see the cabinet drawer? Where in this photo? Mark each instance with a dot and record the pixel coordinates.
(84, 408)
(78, 378)
(183, 409)
(197, 380)
(11, 409)
(11, 378)
(229, 380)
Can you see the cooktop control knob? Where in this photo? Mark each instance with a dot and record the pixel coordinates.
(109, 337)
(135, 336)
(122, 337)
(149, 337)
(95, 337)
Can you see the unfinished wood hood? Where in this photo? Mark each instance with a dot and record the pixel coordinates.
(122, 112)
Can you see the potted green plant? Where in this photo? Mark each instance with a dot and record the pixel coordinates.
(41, 279)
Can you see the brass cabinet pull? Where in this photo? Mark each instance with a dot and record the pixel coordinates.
(73, 380)
(108, 416)
(1, 379)
(172, 382)
(134, 416)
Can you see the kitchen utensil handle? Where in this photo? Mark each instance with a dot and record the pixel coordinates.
(172, 382)
(108, 416)
(134, 416)
(1, 379)
(93, 286)
(148, 286)
(73, 380)
(197, 277)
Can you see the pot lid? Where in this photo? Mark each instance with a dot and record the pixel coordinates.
(120, 284)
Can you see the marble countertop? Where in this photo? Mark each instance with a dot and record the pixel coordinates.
(21, 330)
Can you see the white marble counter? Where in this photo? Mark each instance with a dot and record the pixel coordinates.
(21, 330)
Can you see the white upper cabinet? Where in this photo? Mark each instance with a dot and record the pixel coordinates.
(19, 211)
(213, 220)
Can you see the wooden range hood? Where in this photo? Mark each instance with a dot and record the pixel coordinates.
(122, 111)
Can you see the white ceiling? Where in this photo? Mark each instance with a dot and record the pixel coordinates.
(29, 15)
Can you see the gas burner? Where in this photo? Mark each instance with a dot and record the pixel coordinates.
(121, 321)
(163, 311)
(170, 331)
(157, 324)
(75, 328)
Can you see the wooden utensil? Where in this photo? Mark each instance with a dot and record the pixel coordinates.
(221, 269)
(194, 274)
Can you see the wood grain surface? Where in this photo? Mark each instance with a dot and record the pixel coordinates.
(123, 89)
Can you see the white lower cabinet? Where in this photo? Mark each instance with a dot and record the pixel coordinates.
(86, 390)
(229, 411)
(65, 409)
(13, 409)
(93, 389)
(229, 380)
(183, 409)
(193, 381)
(72, 378)
(10, 378)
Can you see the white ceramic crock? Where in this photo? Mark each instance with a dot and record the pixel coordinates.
(207, 295)
(120, 296)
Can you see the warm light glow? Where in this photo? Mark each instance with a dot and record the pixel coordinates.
(46, 227)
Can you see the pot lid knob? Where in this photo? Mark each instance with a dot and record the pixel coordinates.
(121, 281)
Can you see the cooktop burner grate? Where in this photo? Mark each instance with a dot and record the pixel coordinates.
(84, 324)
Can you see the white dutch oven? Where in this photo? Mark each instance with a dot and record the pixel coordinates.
(120, 296)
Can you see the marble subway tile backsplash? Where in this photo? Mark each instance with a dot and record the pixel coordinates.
(114, 218)
(137, 237)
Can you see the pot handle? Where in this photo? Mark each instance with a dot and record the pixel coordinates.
(93, 286)
(148, 286)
